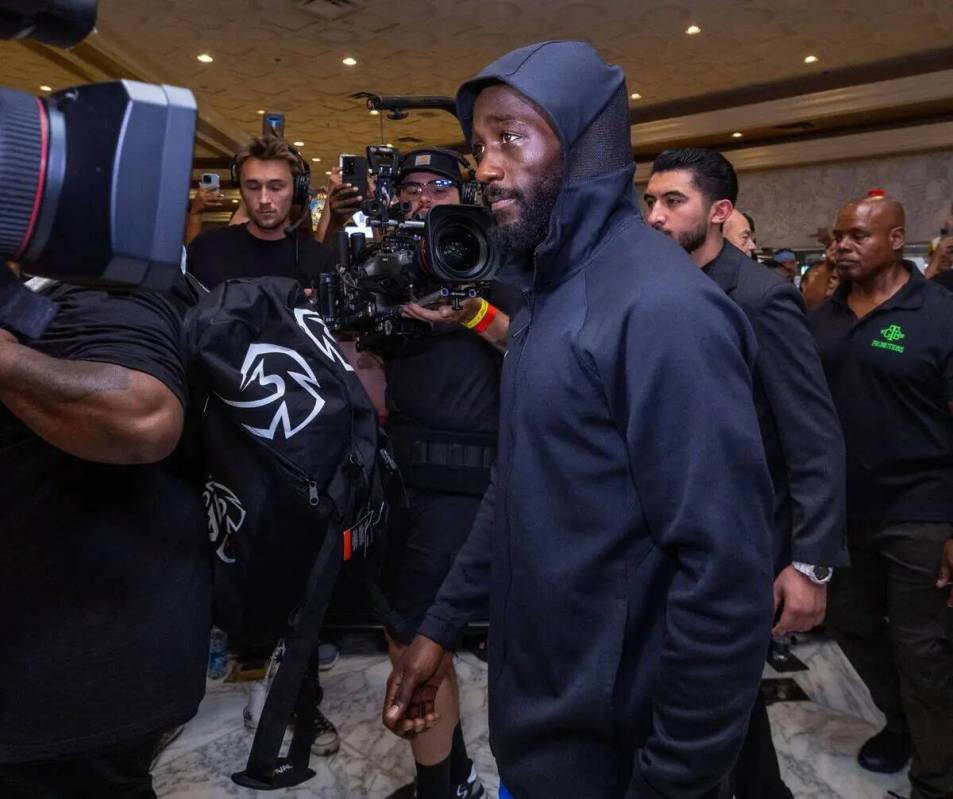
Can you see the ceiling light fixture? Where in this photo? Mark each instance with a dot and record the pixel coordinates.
(811, 59)
(375, 112)
(349, 62)
(315, 159)
(635, 96)
(328, 172)
(260, 111)
(45, 88)
(693, 30)
(299, 144)
(737, 134)
(205, 58)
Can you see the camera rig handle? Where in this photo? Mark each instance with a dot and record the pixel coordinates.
(399, 104)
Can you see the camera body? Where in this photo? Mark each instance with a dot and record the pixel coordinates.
(447, 256)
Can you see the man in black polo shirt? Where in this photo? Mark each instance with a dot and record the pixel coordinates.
(271, 182)
(886, 341)
(104, 563)
(690, 197)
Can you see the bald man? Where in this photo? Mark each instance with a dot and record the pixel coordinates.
(739, 230)
(886, 342)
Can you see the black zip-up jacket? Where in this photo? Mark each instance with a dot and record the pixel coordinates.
(625, 541)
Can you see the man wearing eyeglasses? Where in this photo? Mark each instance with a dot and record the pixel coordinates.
(442, 398)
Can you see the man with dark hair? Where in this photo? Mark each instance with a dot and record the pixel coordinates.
(886, 341)
(104, 567)
(267, 170)
(624, 542)
(270, 174)
(689, 196)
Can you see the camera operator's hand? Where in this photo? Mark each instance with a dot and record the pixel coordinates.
(205, 199)
(443, 312)
(412, 687)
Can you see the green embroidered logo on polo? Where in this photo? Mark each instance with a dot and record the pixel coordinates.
(891, 335)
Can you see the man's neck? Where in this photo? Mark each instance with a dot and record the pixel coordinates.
(877, 288)
(710, 250)
(267, 234)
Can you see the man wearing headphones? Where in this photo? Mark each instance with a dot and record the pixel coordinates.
(273, 179)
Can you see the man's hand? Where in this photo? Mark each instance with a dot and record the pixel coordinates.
(412, 688)
(946, 571)
(443, 312)
(205, 199)
(802, 603)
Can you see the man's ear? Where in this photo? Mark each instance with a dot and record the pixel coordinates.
(898, 236)
(720, 211)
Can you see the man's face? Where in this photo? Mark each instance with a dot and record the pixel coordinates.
(677, 208)
(267, 189)
(519, 158)
(867, 240)
(420, 190)
(738, 231)
(816, 284)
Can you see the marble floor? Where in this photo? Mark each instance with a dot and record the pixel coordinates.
(816, 740)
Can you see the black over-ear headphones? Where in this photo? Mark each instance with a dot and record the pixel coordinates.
(301, 195)
(470, 187)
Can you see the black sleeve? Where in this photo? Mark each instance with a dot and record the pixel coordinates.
(319, 258)
(807, 425)
(138, 330)
(506, 297)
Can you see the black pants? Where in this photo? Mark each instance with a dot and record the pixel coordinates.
(894, 626)
(118, 773)
(757, 774)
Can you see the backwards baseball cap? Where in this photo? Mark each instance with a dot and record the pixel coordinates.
(784, 255)
(445, 163)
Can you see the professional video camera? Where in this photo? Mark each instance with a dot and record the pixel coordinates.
(447, 256)
(93, 179)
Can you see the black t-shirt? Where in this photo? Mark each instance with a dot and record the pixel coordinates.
(449, 380)
(232, 252)
(104, 570)
(891, 377)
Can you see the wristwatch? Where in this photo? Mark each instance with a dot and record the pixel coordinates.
(819, 575)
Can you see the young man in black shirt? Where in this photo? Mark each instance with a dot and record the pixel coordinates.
(886, 341)
(689, 197)
(271, 181)
(104, 566)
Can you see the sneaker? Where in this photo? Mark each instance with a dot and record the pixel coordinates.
(472, 788)
(328, 655)
(886, 753)
(326, 740)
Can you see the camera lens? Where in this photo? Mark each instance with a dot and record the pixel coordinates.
(459, 249)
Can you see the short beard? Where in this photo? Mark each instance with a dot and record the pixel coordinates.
(518, 239)
(691, 240)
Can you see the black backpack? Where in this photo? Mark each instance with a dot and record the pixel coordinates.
(289, 440)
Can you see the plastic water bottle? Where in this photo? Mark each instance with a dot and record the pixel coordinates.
(217, 654)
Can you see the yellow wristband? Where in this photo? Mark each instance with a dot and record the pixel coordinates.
(472, 323)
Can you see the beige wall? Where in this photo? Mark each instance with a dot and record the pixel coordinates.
(788, 205)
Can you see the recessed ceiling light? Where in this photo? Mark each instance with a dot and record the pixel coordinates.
(235, 201)
(635, 96)
(693, 30)
(299, 144)
(260, 111)
(810, 59)
(349, 62)
(315, 159)
(328, 172)
(205, 58)
(45, 88)
(737, 134)
(389, 144)
(374, 112)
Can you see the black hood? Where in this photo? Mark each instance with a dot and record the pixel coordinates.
(586, 102)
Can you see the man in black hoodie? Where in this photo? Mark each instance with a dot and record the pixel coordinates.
(624, 544)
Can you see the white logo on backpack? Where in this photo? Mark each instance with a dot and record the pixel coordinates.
(254, 370)
(325, 341)
(225, 516)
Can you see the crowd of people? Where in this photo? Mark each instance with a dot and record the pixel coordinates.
(685, 451)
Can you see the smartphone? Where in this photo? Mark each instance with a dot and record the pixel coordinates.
(210, 180)
(354, 171)
(273, 124)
